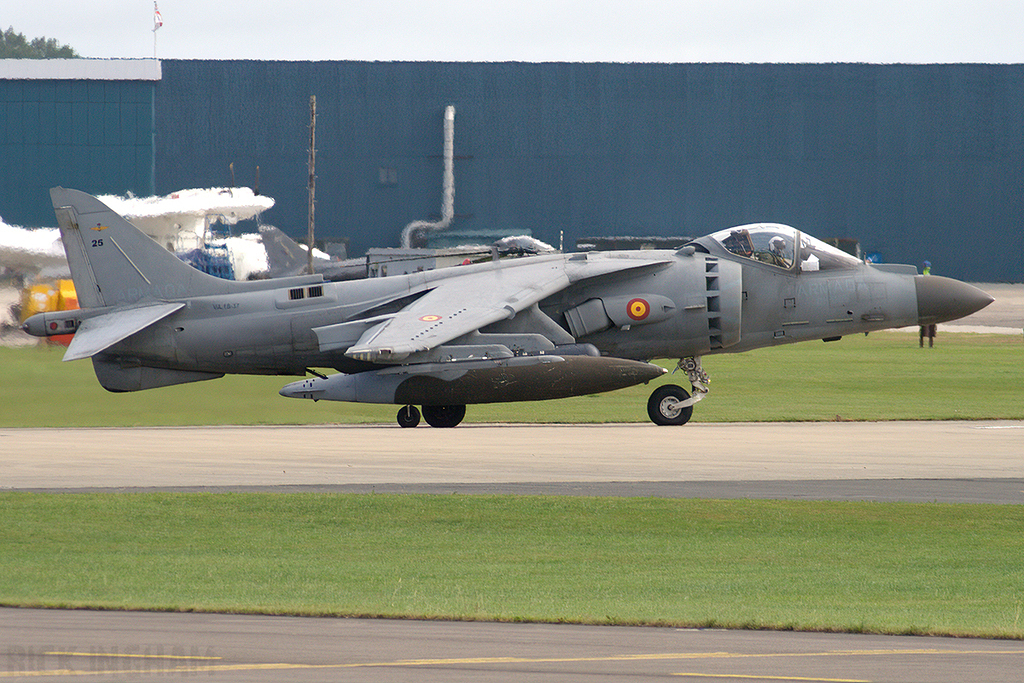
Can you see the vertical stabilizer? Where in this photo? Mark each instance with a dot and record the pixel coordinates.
(81, 270)
(284, 255)
(113, 263)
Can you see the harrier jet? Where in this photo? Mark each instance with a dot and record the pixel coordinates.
(540, 327)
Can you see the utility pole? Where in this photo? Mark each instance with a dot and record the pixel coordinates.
(312, 174)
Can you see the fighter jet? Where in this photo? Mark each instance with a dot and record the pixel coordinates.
(541, 327)
(287, 258)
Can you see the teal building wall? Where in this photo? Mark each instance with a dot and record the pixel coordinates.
(915, 161)
(94, 134)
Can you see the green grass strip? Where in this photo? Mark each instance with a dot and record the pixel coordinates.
(894, 568)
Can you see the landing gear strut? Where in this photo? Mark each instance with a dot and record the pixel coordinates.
(670, 404)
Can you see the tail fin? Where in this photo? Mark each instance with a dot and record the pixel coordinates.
(284, 255)
(115, 264)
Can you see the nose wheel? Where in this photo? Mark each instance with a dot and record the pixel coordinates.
(668, 405)
(671, 404)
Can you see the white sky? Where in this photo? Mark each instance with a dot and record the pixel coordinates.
(877, 31)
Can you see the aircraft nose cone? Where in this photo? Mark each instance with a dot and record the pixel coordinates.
(941, 299)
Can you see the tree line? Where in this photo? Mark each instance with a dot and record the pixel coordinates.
(17, 46)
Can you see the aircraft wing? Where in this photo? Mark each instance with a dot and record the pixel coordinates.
(458, 305)
(103, 331)
(463, 303)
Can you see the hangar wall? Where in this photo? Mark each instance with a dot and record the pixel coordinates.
(79, 123)
(917, 161)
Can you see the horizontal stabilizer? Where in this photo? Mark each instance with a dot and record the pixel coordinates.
(103, 331)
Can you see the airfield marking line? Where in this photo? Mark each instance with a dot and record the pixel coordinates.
(110, 672)
(864, 653)
(271, 666)
(775, 678)
(127, 655)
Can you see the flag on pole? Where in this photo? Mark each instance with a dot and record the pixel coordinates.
(158, 20)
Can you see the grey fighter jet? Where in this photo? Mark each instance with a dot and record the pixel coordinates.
(540, 327)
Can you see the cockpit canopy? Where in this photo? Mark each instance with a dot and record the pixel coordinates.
(774, 244)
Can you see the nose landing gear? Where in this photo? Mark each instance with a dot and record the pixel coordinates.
(670, 404)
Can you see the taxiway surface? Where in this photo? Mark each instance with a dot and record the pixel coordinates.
(115, 646)
(321, 456)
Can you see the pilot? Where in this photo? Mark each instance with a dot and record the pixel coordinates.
(777, 252)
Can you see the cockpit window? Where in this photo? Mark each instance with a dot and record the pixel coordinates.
(774, 244)
(816, 255)
(771, 244)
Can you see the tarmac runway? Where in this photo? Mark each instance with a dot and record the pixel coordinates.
(949, 461)
(116, 646)
(944, 461)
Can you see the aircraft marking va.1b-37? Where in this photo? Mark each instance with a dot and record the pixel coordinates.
(540, 327)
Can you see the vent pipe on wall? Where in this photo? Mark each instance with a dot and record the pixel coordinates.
(448, 186)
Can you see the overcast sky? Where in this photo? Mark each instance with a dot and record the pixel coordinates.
(877, 31)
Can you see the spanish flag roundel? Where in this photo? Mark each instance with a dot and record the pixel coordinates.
(638, 309)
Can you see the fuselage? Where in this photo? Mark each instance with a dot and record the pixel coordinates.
(687, 303)
(541, 327)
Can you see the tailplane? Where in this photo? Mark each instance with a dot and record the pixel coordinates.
(114, 264)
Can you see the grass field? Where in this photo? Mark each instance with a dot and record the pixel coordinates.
(881, 377)
(861, 567)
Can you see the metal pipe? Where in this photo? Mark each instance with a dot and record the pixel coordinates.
(312, 180)
(447, 182)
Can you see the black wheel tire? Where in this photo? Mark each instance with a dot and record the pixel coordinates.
(662, 406)
(443, 416)
(408, 416)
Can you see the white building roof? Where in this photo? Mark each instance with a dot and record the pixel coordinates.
(81, 69)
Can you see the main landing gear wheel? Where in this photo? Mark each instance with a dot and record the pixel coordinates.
(664, 407)
(408, 416)
(443, 416)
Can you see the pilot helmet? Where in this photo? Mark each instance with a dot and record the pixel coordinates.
(777, 245)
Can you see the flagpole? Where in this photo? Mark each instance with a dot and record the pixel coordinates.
(158, 21)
